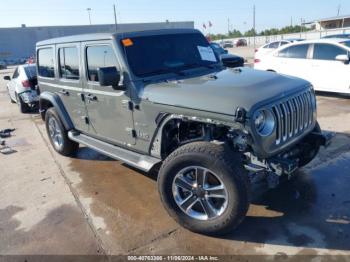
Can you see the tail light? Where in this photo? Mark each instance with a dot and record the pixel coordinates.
(257, 61)
(26, 84)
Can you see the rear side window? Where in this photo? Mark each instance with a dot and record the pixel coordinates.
(30, 71)
(99, 56)
(297, 51)
(69, 63)
(274, 45)
(46, 63)
(327, 51)
(15, 74)
(284, 43)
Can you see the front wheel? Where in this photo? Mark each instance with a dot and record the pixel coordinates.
(205, 188)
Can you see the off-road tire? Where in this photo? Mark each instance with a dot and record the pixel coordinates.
(311, 149)
(68, 147)
(23, 107)
(227, 164)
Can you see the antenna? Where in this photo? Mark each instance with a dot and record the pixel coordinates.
(115, 18)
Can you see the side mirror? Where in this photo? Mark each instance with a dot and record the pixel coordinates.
(226, 51)
(343, 58)
(8, 78)
(108, 76)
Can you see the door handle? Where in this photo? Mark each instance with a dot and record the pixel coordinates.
(64, 92)
(91, 97)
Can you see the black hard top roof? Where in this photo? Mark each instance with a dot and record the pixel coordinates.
(108, 36)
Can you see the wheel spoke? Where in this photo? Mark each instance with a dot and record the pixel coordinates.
(188, 202)
(208, 208)
(183, 183)
(200, 176)
(216, 192)
(58, 139)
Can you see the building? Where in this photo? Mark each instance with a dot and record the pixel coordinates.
(19, 43)
(335, 22)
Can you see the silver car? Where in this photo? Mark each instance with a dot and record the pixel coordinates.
(22, 88)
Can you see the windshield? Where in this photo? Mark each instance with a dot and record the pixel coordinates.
(160, 54)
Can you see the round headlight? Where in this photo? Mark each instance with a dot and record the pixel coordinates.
(264, 122)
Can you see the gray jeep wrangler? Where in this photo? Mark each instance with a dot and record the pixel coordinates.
(162, 100)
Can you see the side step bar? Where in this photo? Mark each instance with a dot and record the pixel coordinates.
(131, 158)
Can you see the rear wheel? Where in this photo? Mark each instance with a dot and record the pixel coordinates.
(205, 188)
(23, 107)
(58, 135)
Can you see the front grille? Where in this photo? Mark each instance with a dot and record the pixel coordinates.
(293, 116)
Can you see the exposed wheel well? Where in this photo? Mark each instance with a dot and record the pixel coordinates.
(178, 132)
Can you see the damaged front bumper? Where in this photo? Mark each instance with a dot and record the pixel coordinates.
(285, 163)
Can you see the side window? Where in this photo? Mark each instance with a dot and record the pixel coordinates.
(297, 51)
(274, 45)
(327, 51)
(99, 56)
(69, 63)
(46, 63)
(284, 43)
(15, 74)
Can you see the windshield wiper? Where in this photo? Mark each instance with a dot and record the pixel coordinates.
(188, 66)
(164, 71)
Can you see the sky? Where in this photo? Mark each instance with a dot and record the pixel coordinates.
(269, 13)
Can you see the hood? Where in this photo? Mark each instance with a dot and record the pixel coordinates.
(227, 90)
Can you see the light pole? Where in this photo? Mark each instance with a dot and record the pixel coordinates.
(89, 12)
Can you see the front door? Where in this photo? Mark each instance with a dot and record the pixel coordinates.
(328, 74)
(12, 84)
(110, 117)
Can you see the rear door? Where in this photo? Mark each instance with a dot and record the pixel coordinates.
(327, 73)
(70, 84)
(109, 112)
(294, 61)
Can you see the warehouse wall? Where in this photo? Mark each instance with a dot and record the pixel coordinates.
(17, 43)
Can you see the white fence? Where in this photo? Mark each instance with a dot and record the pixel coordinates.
(261, 40)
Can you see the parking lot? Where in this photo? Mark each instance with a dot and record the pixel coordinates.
(92, 204)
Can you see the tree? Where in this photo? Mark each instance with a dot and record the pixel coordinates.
(250, 32)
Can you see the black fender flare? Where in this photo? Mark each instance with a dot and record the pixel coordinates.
(55, 100)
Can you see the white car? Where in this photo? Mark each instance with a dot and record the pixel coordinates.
(272, 46)
(22, 87)
(323, 62)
